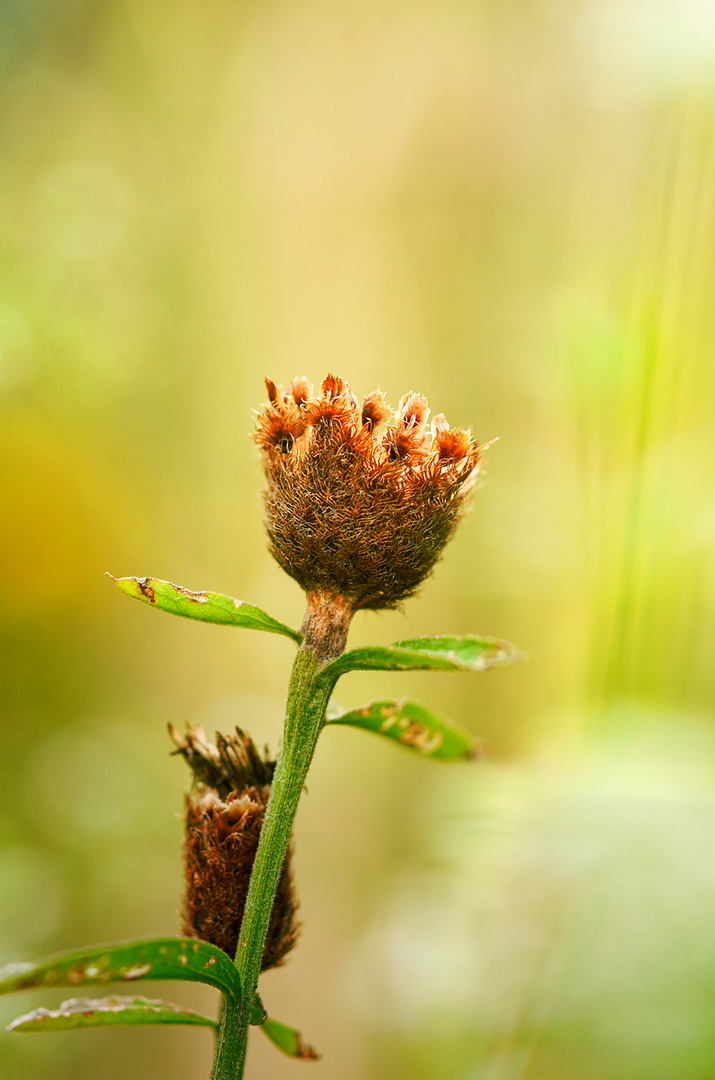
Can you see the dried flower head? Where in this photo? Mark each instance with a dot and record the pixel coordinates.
(224, 816)
(353, 512)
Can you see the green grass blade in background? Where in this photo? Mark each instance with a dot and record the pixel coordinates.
(108, 1012)
(204, 606)
(186, 959)
(414, 726)
(444, 653)
(645, 406)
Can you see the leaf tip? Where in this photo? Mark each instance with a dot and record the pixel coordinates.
(475, 751)
(307, 1052)
(514, 655)
(139, 588)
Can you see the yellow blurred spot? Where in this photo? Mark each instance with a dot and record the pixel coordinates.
(47, 526)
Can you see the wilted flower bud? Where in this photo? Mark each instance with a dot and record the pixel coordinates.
(224, 816)
(352, 513)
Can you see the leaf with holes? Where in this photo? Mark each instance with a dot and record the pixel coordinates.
(108, 1012)
(445, 653)
(412, 725)
(187, 959)
(209, 607)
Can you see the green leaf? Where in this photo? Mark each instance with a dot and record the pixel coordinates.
(412, 725)
(105, 1012)
(446, 653)
(155, 958)
(289, 1040)
(205, 606)
(285, 1038)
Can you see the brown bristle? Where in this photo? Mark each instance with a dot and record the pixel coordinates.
(412, 411)
(278, 430)
(332, 386)
(281, 422)
(452, 445)
(375, 410)
(232, 764)
(405, 444)
(301, 390)
(335, 412)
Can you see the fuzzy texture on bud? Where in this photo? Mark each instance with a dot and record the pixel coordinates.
(350, 511)
(224, 817)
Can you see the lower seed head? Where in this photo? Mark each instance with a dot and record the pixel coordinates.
(224, 817)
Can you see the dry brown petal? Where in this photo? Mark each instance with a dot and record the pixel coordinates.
(375, 410)
(452, 445)
(413, 411)
(301, 390)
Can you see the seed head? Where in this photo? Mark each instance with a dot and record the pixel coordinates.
(353, 512)
(224, 817)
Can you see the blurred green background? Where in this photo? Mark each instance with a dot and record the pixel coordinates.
(508, 207)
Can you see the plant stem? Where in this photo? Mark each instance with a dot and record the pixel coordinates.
(225, 1064)
(308, 697)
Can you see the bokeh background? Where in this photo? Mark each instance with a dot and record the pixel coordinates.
(508, 207)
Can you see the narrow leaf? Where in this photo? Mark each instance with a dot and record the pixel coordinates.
(106, 1012)
(447, 653)
(289, 1040)
(187, 959)
(412, 725)
(205, 606)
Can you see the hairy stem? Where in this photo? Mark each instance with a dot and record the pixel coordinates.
(225, 1066)
(308, 697)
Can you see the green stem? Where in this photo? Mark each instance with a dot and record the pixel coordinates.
(305, 715)
(225, 1066)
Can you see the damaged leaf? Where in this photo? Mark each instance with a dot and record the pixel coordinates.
(414, 726)
(108, 1012)
(289, 1040)
(155, 958)
(209, 607)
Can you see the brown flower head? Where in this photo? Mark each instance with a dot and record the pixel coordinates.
(224, 816)
(353, 512)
